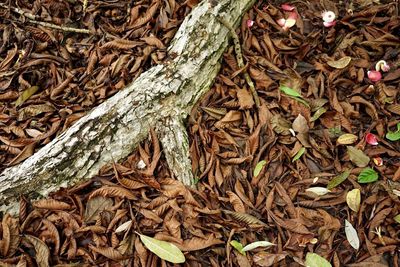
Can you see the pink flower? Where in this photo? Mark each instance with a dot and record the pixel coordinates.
(329, 18)
(382, 65)
(329, 24)
(287, 7)
(374, 75)
(289, 22)
(371, 139)
(250, 23)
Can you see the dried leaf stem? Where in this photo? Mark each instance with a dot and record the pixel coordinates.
(33, 19)
(239, 58)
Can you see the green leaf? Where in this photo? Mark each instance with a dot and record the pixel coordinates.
(238, 246)
(290, 92)
(162, 249)
(337, 180)
(257, 244)
(394, 136)
(258, 168)
(318, 114)
(397, 218)
(299, 154)
(26, 94)
(315, 260)
(357, 156)
(367, 175)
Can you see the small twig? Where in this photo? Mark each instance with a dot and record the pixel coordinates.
(32, 19)
(239, 58)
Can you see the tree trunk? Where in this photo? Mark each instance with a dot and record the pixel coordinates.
(161, 97)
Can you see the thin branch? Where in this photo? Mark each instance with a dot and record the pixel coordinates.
(33, 19)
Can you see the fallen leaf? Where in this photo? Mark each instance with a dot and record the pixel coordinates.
(265, 259)
(95, 206)
(258, 244)
(26, 94)
(340, 63)
(258, 168)
(351, 235)
(299, 154)
(353, 199)
(165, 250)
(315, 260)
(300, 124)
(357, 156)
(367, 175)
(238, 246)
(337, 180)
(42, 252)
(346, 139)
(123, 227)
(319, 191)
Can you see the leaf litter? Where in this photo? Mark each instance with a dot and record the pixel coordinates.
(317, 105)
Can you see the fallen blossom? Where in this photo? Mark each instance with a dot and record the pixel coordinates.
(289, 22)
(329, 18)
(374, 75)
(250, 23)
(287, 7)
(378, 161)
(329, 24)
(382, 65)
(371, 139)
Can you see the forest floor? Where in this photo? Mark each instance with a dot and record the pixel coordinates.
(314, 170)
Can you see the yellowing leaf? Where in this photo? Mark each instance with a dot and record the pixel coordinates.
(357, 156)
(165, 250)
(320, 191)
(353, 199)
(346, 139)
(238, 246)
(337, 180)
(315, 260)
(318, 114)
(259, 167)
(26, 94)
(397, 218)
(351, 235)
(299, 154)
(257, 244)
(341, 63)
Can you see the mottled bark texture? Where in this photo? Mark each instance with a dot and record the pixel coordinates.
(161, 97)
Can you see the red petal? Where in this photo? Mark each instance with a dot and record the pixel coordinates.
(371, 139)
(292, 15)
(250, 23)
(287, 7)
(329, 24)
(374, 75)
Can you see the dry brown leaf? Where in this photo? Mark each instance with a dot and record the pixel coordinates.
(51, 204)
(113, 191)
(42, 252)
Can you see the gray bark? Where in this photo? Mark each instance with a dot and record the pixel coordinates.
(160, 98)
